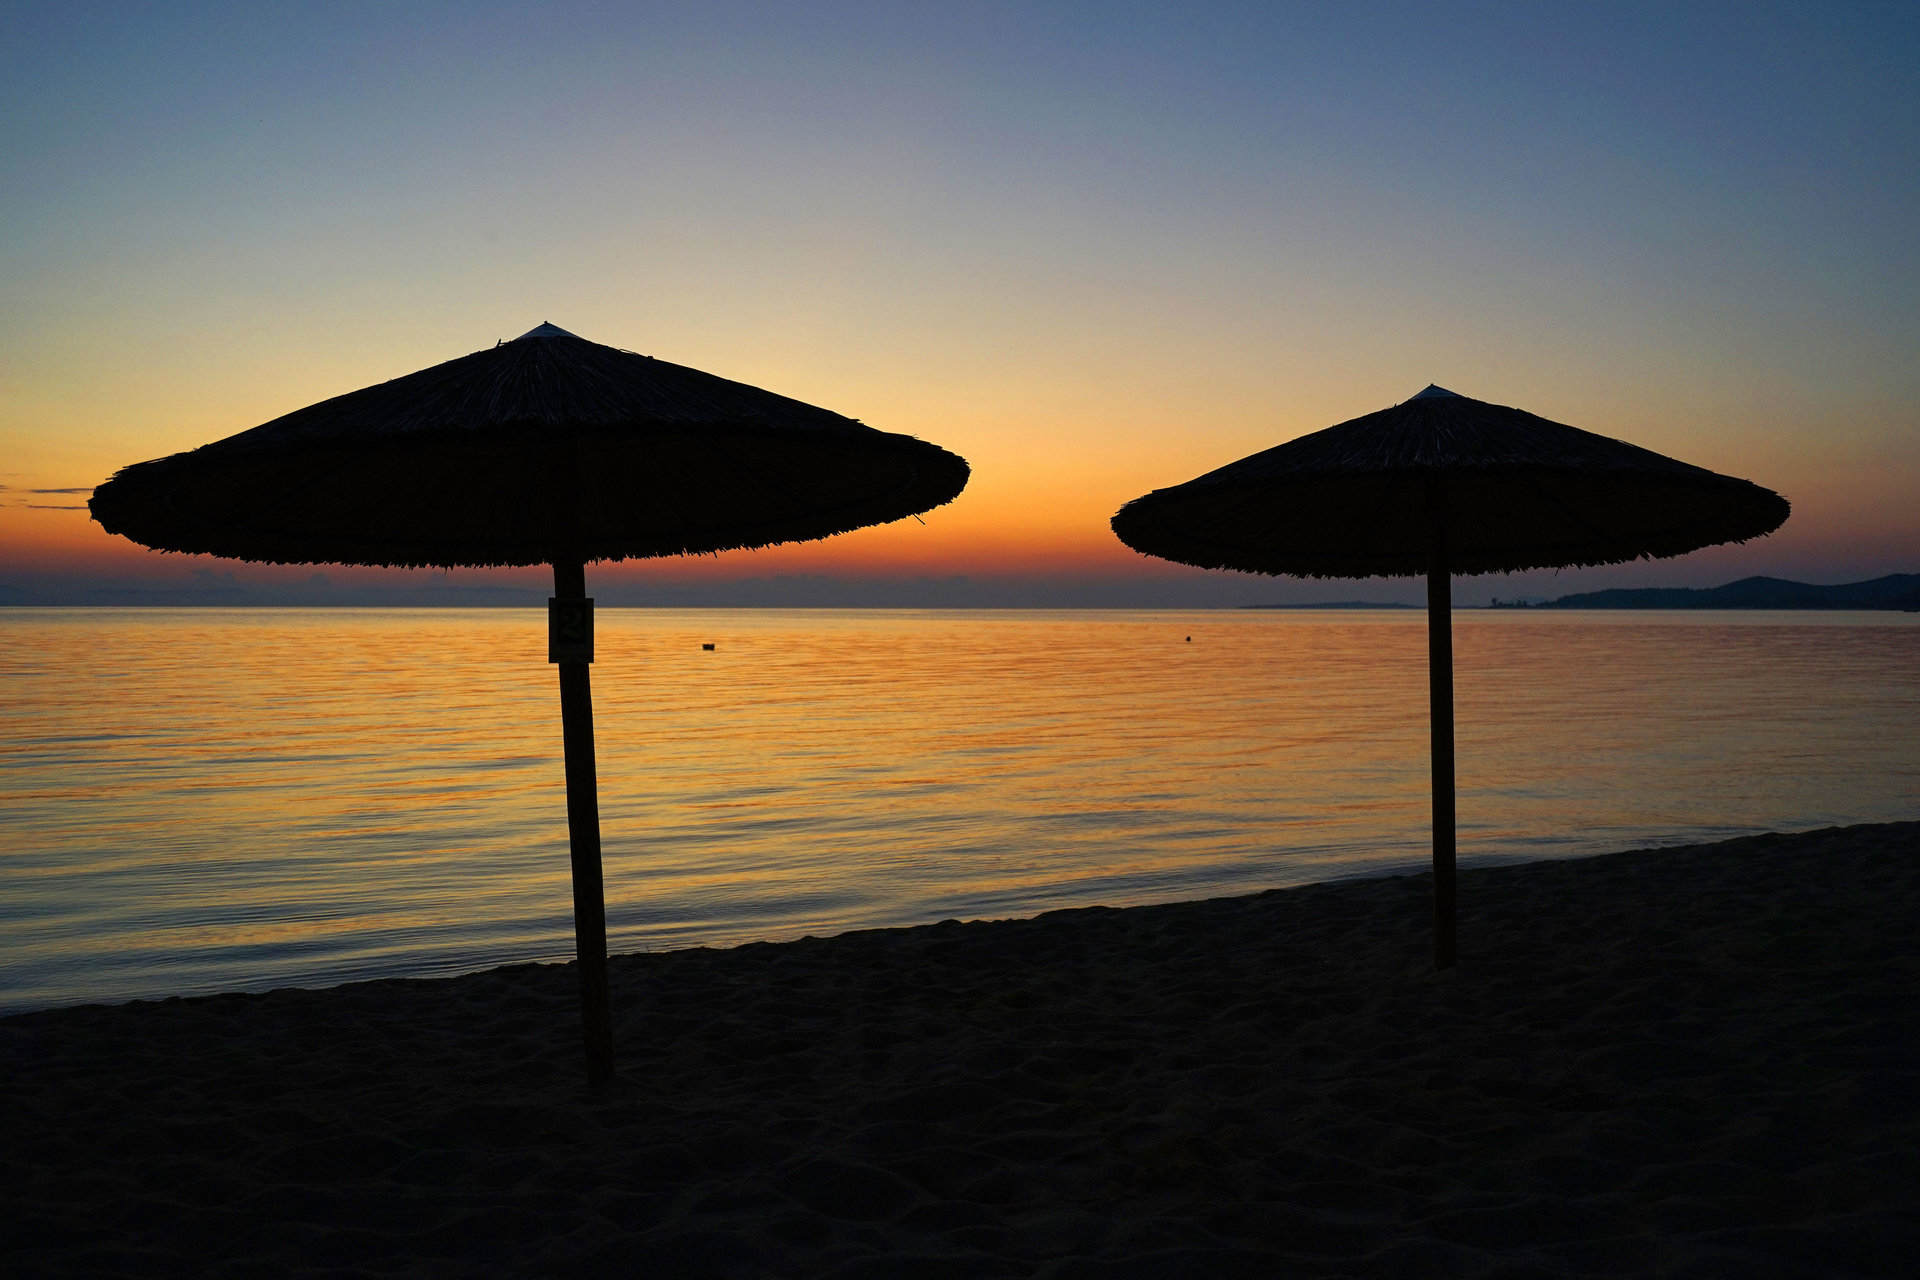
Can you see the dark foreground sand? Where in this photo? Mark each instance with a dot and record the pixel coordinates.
(1696, 1062)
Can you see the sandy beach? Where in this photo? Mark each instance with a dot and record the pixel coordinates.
(1679, 1062)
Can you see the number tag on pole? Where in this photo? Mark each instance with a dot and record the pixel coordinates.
(569, 630)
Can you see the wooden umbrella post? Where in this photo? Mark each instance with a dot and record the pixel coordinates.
(1440, 718)
(570, 646)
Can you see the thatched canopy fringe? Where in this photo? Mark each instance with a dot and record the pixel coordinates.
(1522, 492)
(445, 467)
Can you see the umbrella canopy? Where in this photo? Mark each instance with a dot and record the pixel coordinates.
(544, 448)
(1520, 492)
(1438, 485)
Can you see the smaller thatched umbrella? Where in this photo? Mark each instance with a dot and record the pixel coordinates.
(1438, 485)
(545, 450)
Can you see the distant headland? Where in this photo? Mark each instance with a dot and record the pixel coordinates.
(1895, 591)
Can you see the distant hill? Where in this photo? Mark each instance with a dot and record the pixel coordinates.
(1895, 591)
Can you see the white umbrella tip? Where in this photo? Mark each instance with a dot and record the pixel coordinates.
(546, 330)
(1434, 393)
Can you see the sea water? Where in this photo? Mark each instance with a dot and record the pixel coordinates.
(201, 800)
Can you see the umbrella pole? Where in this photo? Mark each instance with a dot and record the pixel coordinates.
(570, 647)
(1440, 717)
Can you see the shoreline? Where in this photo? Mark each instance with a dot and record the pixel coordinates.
(1691, 1060)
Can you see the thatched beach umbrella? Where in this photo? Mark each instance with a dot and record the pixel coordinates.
(1438, 485)
(545, 450)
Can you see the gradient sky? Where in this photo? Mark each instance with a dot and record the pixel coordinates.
(1094, 249)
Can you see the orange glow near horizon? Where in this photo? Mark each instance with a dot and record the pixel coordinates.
(1061, 425)
(1045, 482)
(41, 542)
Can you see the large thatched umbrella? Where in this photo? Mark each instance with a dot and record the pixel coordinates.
(545, 450)
(1439, 485)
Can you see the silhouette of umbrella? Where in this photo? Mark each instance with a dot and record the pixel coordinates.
(1438, 485)
(545, 450)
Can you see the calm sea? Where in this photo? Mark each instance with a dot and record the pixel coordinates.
(205, 800)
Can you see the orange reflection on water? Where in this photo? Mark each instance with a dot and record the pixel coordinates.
(208, 799)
